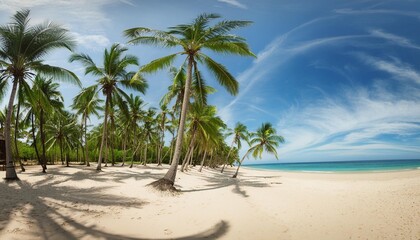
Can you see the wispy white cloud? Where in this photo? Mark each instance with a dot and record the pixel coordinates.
(235, 3)
(93, 42)
(404, 42)
(355, 122)
(88, 15)
(377, 11)
(272, 57)
(395, 67)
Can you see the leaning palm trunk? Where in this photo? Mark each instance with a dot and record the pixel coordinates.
(16, 134)
(34, 138)
(168, 180)
(145, 154)
(124, 150)
(160, 146)
(41, 129)
(202, 161)
(61, 152)
(106, 152)
(10, 166)
(227, 158)
(172, 148)
(86, 144)
(98, 168)
(240, 163)
(111, 139)
(190, 149)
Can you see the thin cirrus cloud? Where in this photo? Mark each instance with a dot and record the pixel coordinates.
(395, 67)
(86, 15)
(359, 119)
(402, 41)
(362, 124)
(95, 42)
(350, 11)
(234, 3)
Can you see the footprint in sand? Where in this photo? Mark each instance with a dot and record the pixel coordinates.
(167, 232)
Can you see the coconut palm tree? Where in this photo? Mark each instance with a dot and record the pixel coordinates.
(149, 130)
(45, 99)
(87, 103)
(111, 77)
(193, 39)
(162, 118)
(239, 132)
(264, 139)
(134, 115)
(22, 50)
(203, 124)
(64, 132)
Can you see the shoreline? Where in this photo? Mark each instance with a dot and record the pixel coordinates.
(332, 172)
(78, 203)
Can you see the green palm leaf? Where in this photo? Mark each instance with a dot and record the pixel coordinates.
(222, 75)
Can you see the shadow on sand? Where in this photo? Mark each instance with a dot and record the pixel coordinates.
(217, 180)
(38, 206)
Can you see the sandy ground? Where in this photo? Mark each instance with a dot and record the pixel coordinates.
(78, 203)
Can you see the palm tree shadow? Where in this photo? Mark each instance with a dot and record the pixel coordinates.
(108, 174)
(40, 206)
(218, 180)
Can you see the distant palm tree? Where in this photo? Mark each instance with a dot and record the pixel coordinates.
(135, 115)
(240, 132)
(162, 118)
(149, 130)
(203, 124)
(65, 132)
(193, 39)
(45, 99)
(111, 77)
(266, 139)
(87, 103)
(22, 50)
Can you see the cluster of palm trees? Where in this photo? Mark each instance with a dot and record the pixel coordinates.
(129, 128)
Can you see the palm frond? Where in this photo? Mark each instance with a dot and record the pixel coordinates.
(158, 64)
(143, 35)
(58, 73)
(237, 48)
(222, 75)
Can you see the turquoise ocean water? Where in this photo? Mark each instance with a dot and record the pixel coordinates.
(348, 166)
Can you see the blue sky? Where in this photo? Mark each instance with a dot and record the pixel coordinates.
(340, 80)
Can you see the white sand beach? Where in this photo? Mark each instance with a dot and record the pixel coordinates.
(78, 203)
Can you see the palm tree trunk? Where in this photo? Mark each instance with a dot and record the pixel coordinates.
(41, 129)
(111, 144)
(169, 177)
(227, 158)
(187, 155)
(10, 166)
(190, 159)
(86, 144)
(98, 168)
(67, 158)
(172, 148)
(34, 138)
(240, 163)
(202, 161)
(160, 147)
(16, 134)
(106, 152)
(190, 147)
(61, 152)
(145, 154)
(77, 154)
(124, 149)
